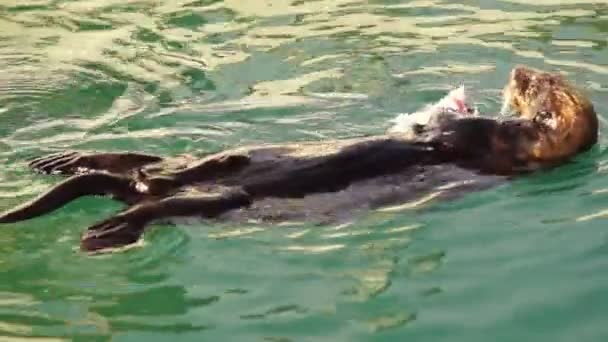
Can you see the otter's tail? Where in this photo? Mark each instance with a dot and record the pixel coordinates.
(67, 191)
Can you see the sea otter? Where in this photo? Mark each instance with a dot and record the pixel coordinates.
(327, 180)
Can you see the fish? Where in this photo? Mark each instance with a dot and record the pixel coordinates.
(452, 105)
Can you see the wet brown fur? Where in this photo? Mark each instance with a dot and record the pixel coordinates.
(530, 92)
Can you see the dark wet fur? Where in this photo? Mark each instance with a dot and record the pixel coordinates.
(325, 180)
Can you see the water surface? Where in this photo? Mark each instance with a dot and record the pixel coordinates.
(524, 261)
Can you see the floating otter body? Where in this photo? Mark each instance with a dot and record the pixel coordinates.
(327, 180)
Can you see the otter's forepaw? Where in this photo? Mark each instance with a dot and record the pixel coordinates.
(154, 185)
(61, 163)
(118, 231)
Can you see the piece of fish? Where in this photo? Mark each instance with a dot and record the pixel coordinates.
(452, 105)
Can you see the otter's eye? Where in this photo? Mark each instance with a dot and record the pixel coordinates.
(546, 118)
(543, 115)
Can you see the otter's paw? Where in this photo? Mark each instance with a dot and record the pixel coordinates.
(61, 163)
(118, 231)
(154, 185)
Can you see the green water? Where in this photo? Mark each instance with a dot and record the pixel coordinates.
(522, 262)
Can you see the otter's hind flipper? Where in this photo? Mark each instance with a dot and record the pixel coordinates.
(72, 188)
(70, 163)
(127, 227)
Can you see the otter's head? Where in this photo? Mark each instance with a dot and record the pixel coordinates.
(562, 110)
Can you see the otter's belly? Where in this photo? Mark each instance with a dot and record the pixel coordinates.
(403, 190)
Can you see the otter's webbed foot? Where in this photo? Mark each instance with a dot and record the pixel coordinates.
(62, 162)
(127, 227)
(70, 163)
(118, 231)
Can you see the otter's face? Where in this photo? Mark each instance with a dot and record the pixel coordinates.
(557, 105)
(529, 92)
